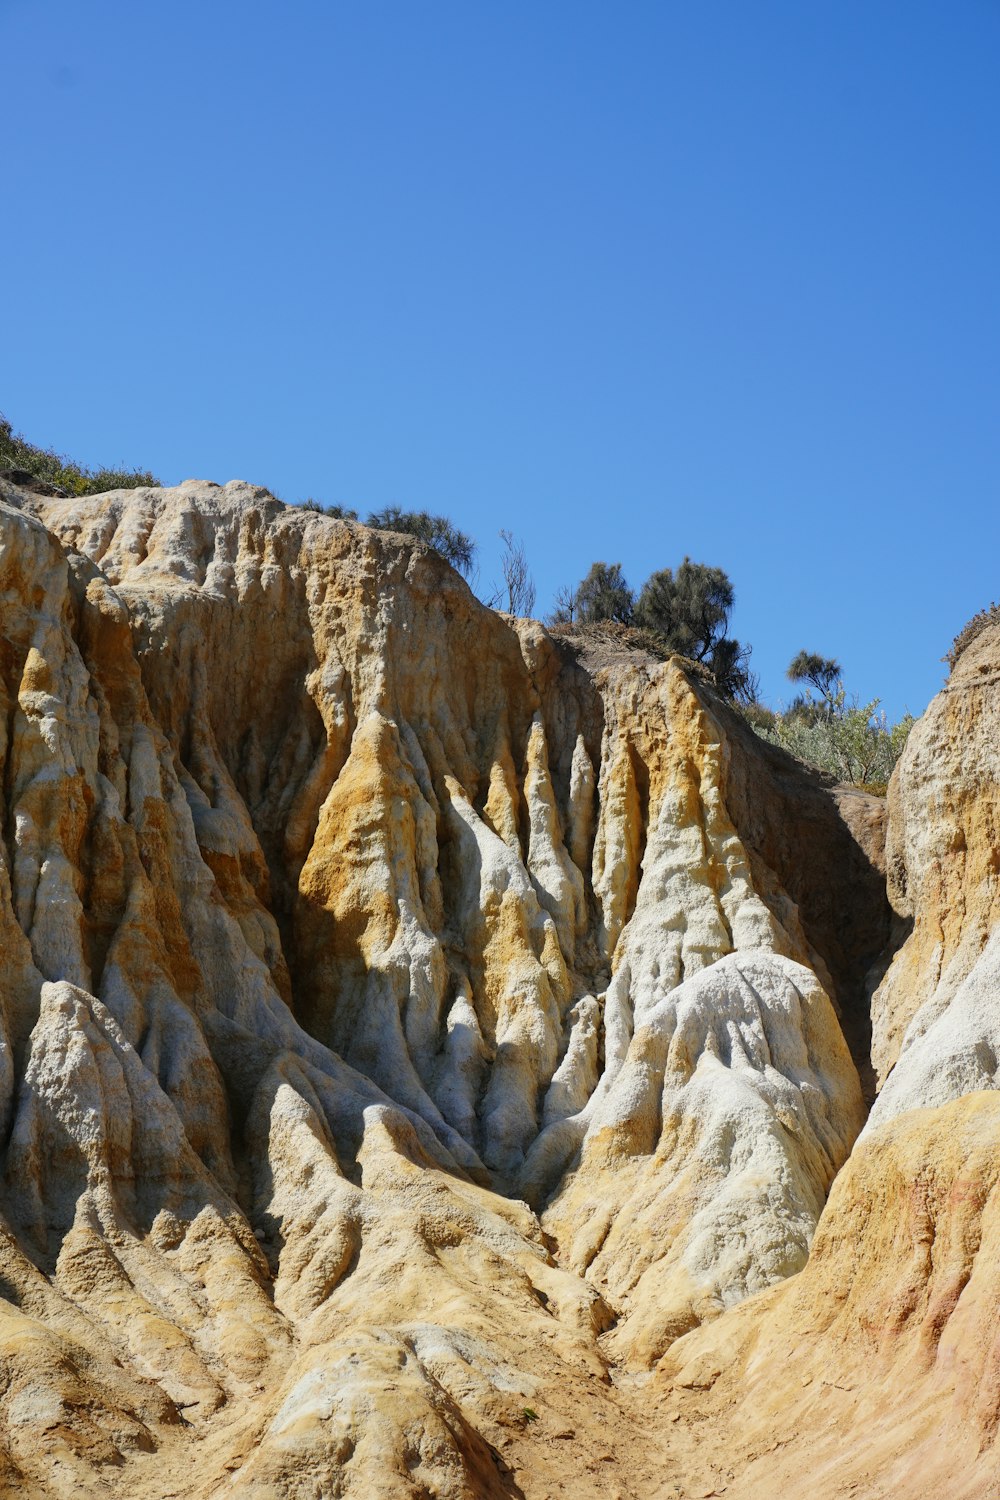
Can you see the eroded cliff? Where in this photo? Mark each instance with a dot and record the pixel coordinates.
(890, 1333)
(416, 1027)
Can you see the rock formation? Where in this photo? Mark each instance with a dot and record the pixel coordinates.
(890, 1333)
(428, 1044)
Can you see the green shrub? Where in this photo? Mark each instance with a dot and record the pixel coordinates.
(437, 531)
(853, 741)
(603, 595)
(338, 512)
(63, 473)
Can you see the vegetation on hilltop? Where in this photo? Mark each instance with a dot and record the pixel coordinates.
(685, 609)
(20, 456)
(969, 632)
(455, 546)
(851, 740)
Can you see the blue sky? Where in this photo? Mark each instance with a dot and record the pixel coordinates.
(634, 280)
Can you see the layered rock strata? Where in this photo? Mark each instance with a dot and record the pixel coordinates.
(410, 1020)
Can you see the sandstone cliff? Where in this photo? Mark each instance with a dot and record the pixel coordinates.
(877, 1371)
(416, 1027)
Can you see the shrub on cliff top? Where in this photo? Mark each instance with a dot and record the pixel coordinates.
(64, 473)
(969, 632)
(604, 596)
(437, 531)
(686, 609)
(338, 512)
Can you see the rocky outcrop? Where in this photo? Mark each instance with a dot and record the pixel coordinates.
(936, 1015)
(889, 1334)
(410, 1018)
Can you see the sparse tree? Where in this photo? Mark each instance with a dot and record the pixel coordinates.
(564, 612)
(517, 595)
(689, 608)
(604, 595)
(437, 531)
(823, 672)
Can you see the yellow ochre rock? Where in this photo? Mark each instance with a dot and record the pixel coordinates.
(417, 1027)
(876, 1371)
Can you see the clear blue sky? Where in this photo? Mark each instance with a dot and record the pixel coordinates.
(635, 280)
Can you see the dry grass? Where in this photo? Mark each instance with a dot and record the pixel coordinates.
(969, 632)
